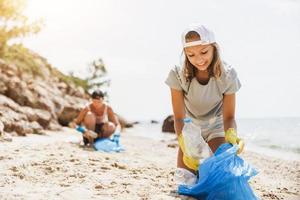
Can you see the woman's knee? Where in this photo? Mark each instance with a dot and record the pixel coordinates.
(108, 129)
(90, 120)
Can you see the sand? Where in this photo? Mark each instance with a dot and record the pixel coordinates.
(55, 166)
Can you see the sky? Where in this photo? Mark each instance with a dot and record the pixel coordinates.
(140, 41)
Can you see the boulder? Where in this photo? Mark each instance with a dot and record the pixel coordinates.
(17, 90)
(154, 121)
(124, 123)
(22, 128)
(9, 103)
(42, 117)
(71, 110)
(36, 127)
(54, 126)
(168, 124)
(68, 114)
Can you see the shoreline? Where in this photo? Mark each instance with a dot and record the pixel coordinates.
(251, 146)
(54, 166)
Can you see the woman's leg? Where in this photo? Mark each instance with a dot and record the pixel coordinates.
(108, 129)
(90, 123)
(180, 163)
(215, 143)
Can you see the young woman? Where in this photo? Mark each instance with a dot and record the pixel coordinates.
(203, 89)
(98, 117)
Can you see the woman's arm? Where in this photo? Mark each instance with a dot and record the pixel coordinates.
(112, 117)
(178, 109)
(229, 112)
(229, 122)
(179, 115)
(81, 115)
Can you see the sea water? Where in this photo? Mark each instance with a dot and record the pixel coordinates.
(277, 137)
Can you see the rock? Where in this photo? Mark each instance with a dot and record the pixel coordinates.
(1, 128)
(76, 91)
(174, 145)
(36, 127)
(168, 124)
(44, 117)
(7, 102)
(22, 128)
(3, 87)
(59, 104)
(45, 103)
(54, 126)
(68, 114)
(17, 90)
(9, 115)
(48, 96)
(13, 124)
(30, 113)
(154, 122)
(124, 123)
(15, 113)
(71, 109)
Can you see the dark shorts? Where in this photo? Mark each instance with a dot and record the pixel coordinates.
(98, 129)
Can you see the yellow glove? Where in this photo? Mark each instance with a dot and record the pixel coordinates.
(241, 145)
(188, 161)
(231, 137)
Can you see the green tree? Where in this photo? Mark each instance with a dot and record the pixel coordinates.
(98, 78)
(13, 24)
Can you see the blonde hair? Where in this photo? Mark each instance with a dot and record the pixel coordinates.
(215, 67)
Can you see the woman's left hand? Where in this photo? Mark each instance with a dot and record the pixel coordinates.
(231, 137)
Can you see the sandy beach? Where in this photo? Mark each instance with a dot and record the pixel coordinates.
(55, 166)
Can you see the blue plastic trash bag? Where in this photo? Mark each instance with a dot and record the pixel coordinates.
(107, 145)
(224, 176)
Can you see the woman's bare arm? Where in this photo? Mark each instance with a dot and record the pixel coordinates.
(111, 116)
(229, 111)
(81, 116)
(178, 109)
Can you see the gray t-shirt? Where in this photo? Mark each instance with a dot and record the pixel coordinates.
(203, 102)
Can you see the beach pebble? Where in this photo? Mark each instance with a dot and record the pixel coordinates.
(14, 169)
(172, 145)
(116, 165)
(99, 187)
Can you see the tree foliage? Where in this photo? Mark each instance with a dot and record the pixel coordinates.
(13, 23)
(98, 78)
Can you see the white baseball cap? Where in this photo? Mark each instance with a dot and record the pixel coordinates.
(206, 36)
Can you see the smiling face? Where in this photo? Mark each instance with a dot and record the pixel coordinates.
(200, 56)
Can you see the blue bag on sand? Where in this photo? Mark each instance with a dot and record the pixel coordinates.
(105, 144)
(108, 145)
(223, 176)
